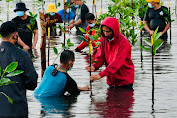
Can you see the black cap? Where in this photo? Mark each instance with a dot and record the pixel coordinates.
(7, 28)
(20, 7)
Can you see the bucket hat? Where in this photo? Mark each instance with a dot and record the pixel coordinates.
(153, 1)
(51, 8)
(20, 7)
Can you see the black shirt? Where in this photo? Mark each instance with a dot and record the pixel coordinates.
(24, 32)
(157, 18)
(27, 80)
(71, 86)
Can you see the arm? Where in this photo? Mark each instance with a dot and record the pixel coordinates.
(120, 57)
(20, 42)
(166, 28)
(29, 76)
(146, 27)
(35, 38)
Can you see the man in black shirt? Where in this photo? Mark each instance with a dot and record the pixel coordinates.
(26, 28)
(157, 16)
(27, 80)
(79, 20)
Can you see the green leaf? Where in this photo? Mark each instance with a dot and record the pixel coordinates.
(63, 45)
(82, 30)
(91, 37)
(97, 43)
(68, 41)
(14, 73)
(35, 16)
(157, 43)
(148, 42)
(31, 14)
(82, 38)
(6, 81)
(95, 62)
(9, 99)
(142, 26)
(157, 36)
(155, 33)
(55, 50)
(145, 48)
(11, 67)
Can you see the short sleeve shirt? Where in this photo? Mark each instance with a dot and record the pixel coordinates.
(157, 18)
(24, 31)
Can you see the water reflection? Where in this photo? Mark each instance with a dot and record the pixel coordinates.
(118, 104)
(59, 105)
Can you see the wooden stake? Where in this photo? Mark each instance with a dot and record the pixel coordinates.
(141, 43)
(43, 41)
(170, 21)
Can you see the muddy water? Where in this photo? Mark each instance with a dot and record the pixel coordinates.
(107, 102)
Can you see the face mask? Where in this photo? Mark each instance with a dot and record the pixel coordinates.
(77, 6)
(20, 13)
(150, 5)
(92, 25)
(52, 14)
(68, 10)
(70, 68)
(109, 36)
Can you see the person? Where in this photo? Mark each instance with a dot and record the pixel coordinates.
(27, 80)
(115, 52)
(157, 16)
(52, 18)
(79, 20)
(56, 81)
(23, 22)
(92, 24)
(69, 15)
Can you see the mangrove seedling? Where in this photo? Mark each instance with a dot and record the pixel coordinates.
(9, 71)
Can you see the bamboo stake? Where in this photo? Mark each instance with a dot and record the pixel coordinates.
(101, 8)
(90, 50)
(152, 49)
(170, 21)
(7, 11)
(64, 25)
(48, 43)
(141, 43)
(43, 41)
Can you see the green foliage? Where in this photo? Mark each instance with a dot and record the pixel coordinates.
(9, 0)
(127, 12)
(9, 71)
(67, 46)
(155, 41)
(32, 21)
(40, 4)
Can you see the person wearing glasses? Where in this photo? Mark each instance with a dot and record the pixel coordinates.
(115, 53)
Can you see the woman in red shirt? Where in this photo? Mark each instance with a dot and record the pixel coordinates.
(115, 52)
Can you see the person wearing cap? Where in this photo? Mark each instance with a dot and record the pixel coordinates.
(27, 80)
(22, 21)
(115, 53)
(79, 20)
(52, 18)
(69, 15)
(157, 16)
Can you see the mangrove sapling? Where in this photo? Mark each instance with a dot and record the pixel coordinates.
(40, 4)
(90, 40)
(154, 44)
(9, 71)
(67, 46)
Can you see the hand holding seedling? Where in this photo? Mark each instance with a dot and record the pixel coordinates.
(95, 77)
(88, 68)
(151, 32)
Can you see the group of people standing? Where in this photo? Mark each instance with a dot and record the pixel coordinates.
(114, 52)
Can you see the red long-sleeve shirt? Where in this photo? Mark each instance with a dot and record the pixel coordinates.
(116, 55)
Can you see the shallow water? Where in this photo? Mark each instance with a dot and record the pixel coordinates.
(114, 103)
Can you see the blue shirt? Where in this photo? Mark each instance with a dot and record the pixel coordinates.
(67, 15)
(51, 85)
